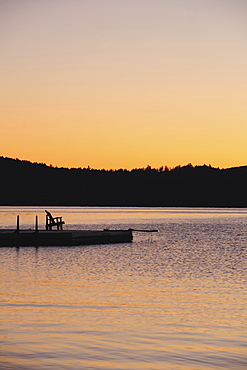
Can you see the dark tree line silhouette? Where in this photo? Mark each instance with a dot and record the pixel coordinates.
(26, 183)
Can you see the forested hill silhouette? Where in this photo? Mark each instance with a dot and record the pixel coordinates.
(26, 183)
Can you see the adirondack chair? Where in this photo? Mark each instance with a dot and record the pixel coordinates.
(53, 221)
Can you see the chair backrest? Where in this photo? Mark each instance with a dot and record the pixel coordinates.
(49, 215)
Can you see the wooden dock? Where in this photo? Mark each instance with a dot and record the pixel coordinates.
(63, 237)
(60, 237)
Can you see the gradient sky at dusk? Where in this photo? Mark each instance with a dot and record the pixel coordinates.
(124, 83)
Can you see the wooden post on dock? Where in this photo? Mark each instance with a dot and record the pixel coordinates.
(36, 224)
(18, 224)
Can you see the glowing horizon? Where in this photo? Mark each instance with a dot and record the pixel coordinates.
(124, 84)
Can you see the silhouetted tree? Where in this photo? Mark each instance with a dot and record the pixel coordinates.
(26, 183)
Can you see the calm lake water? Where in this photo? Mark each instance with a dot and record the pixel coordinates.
(176, 300)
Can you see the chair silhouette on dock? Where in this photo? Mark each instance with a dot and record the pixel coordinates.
(53, 221)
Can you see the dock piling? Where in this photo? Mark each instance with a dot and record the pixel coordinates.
(18, 224)
(36, 224)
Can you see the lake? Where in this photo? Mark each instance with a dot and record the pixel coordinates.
(173, 300)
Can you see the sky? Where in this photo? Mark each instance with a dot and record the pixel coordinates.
(124, 83)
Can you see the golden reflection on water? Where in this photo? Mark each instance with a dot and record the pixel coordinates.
(176, 303)
(85, 216)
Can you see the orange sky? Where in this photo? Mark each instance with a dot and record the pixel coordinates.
(124, 83)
